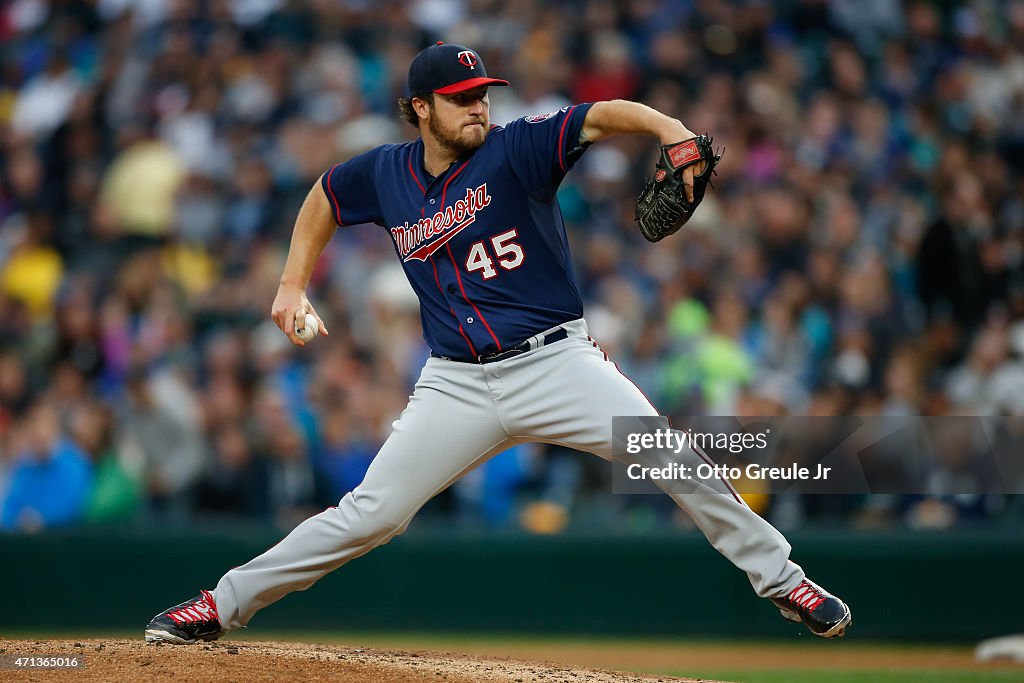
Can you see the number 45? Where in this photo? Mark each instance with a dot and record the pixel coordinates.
(503, 247)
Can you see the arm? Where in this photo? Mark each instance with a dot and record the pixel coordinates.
(621, 117)
(314, 228)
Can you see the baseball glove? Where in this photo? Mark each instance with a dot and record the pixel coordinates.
(662, 207)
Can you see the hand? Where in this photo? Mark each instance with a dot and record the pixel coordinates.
(688, 173)
(677, 132)
(290, 307)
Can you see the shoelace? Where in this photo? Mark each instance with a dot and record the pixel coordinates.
(807, 596)
(199, 610)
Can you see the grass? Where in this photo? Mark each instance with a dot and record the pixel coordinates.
(846, 676)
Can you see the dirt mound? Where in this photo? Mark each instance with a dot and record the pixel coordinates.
(134, 660)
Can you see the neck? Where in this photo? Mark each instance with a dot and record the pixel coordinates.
(437, 156)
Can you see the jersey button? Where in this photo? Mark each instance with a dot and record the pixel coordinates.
(432, 201)
(469, 320)
(451, 289)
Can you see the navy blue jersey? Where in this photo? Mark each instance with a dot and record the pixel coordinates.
(483, 244)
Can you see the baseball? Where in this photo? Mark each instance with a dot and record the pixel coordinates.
(311, 329)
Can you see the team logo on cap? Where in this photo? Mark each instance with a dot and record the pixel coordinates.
(468, 58)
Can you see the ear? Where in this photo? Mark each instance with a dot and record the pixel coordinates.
(421, 107)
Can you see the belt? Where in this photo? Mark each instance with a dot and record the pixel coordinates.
(549, 338)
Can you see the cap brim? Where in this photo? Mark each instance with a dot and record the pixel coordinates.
(469, 84)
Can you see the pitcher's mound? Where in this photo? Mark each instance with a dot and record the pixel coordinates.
(135, 660)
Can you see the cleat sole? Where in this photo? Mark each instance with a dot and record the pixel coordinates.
(154, 635)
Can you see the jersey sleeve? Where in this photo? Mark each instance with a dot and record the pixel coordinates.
(351, 190)
(542, 149)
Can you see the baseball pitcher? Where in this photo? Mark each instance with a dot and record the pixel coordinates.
(473, 218)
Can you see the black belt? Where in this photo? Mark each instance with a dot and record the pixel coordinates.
(549, 338)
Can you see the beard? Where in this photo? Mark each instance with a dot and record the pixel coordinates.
(460, 140)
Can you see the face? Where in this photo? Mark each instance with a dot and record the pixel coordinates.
(461, 121)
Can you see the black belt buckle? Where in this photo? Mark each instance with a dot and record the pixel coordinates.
(502, 355)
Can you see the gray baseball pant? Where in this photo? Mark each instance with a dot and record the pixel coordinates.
(459, 416)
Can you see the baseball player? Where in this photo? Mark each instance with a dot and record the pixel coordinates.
(472, 214)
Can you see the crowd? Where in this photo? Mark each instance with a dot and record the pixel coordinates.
(861, 251)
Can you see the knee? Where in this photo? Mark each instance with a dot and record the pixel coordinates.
(373, 520)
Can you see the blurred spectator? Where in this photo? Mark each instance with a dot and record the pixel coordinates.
(159, 444)
(140, 184)
(15, 391)
(294, 488)
(714, 363)
(974, 386)
(234, 483)
(951, 278)
(33, 269)
(344, 453)
(50, 478)
(45, 100)
(115, 495)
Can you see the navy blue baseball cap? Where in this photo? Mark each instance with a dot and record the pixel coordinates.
(447, 68)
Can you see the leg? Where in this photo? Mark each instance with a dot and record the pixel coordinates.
(449, 427)
(590, 391)
(568, 394)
